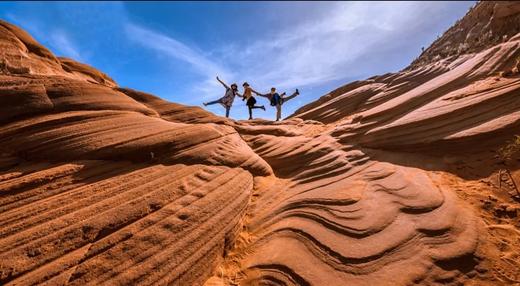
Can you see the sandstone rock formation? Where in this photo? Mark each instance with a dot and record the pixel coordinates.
(485, 25)
(391, 180)
(99, 187)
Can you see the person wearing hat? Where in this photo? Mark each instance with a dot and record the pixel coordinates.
(277, 100)
(250, 99)
(228, 98)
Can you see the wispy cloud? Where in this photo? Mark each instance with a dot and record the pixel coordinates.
(172, 47)
(311, 46)
(327, 49)
(57, 40)
(64, 46)
(178, 51)
(355, 40)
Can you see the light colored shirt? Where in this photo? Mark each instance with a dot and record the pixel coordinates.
(228, 98)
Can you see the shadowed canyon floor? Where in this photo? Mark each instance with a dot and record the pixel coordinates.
(392, 180)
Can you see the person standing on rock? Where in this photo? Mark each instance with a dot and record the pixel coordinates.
(277, 100)
(250, 99)
(228, 98)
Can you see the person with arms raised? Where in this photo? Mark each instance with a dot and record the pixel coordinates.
(228, 98)
(277, 100)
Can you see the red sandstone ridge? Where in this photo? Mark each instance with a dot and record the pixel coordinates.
(392, 180)
(449, 96)
(97, 186)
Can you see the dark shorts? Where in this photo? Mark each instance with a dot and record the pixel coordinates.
(251, 101)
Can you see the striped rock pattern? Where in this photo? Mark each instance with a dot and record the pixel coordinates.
(99, 222)
(339, 216)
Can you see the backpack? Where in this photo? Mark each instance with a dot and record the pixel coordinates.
(275, 99)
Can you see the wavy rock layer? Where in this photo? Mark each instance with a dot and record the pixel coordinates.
(363, 229)
(342, 217)
(338, 215)
(97, 187)
(98, 222)
(442, 104)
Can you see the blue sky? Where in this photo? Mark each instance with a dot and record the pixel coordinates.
(175, 49)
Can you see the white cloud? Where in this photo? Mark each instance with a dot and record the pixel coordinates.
(352, 40)
(171, 47)
(329, 48)
(177, 50)
(56, 39)
(64, 46)
(326, 49)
